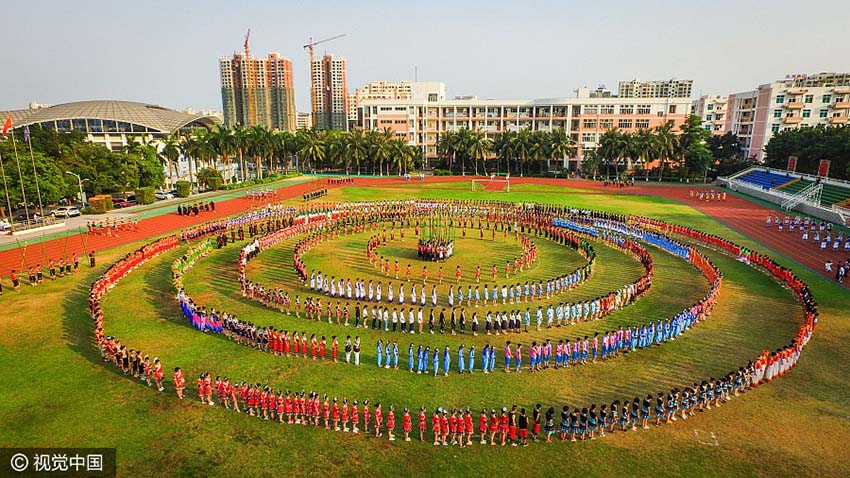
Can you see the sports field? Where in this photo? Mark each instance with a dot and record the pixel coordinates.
(58, 392)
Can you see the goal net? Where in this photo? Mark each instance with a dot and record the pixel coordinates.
(493, 184)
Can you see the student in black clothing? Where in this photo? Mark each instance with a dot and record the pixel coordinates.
(522, 424)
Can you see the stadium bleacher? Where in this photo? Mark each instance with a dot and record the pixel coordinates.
(766, 179)
(831, 194)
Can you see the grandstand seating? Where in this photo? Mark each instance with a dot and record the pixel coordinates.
(765, 179)
(796, 186)
(831, 194)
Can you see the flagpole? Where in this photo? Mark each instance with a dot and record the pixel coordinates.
(6, 189)
(35, 173)
(20, 177)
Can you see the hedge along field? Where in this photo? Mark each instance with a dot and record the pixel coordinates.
(57, 391)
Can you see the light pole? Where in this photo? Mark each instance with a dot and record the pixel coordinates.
(80, 182)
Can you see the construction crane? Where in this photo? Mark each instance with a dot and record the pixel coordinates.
(250, 86)
(309, 46)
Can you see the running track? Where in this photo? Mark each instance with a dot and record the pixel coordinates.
(740, 214)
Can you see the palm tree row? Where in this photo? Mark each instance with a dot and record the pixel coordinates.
(259, 151)
(685, 150)
(512, 151)
(630, 149)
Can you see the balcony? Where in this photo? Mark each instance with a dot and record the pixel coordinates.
(792, 119)
(842, 105)
(796, 91)
(842, 90)
(794, 105)
(838, 120)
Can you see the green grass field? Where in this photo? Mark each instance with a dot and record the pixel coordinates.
(57, 392)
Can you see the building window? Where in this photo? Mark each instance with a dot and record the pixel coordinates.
(624, 124)
(672, 109)
(626, 110)
(590, 110)
(642, 124)
(827, 98)
(589, 124)
(809, 98)
(588, 137)
(823, 113)
(807, 113)
(777, 113)
(774, 127)
(709, 117)
(607, 110)
(643, 109)
(710, 107)
(780, 99)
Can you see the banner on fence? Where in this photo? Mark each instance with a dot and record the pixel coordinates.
(792, 163)
(823, 168)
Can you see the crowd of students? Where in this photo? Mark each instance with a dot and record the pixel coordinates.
(342, 180)
(454, 425)
(53, 269)
(314, 194)
(111, 227)
(707, 195)
(196, 208)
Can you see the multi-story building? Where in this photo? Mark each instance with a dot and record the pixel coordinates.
(257, 91)
(389, 90)
(330, 107)
(712, 111)
(421, 122)
(656, 89)
(303, 120)
(799, 100)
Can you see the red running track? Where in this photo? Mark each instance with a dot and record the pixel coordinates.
(55, 249)
(745, 216)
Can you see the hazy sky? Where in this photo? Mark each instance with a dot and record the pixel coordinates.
(167, 52)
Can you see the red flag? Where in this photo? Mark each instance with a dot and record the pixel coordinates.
(7, 125)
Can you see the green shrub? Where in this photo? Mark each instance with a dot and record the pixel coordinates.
(100, 204)
(184, 188)
(145, 195)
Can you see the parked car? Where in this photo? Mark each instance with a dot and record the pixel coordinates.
(160, 195)
(66, 211)
(5, 225)
(118, 203)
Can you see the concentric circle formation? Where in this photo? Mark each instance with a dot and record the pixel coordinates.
(519, 274)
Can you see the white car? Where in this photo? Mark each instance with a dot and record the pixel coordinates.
(160, 195)
(66, 211)
(4, 225)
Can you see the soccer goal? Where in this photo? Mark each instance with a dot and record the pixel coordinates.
(492, 181)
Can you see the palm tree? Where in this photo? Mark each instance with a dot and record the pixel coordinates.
(335, 148)
(523, 148)
(592, 161)
(313, 152)
(503, 144)
(540, 148)
(224, 143)
(379, 149)
(561, 145)
(171, 153)
(356, 150)
(648, 148)
(447, 146)
(478, 148)
(666, 144)
(613, 146)
(240, 144)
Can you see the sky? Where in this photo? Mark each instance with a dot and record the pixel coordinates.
(166, 52)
